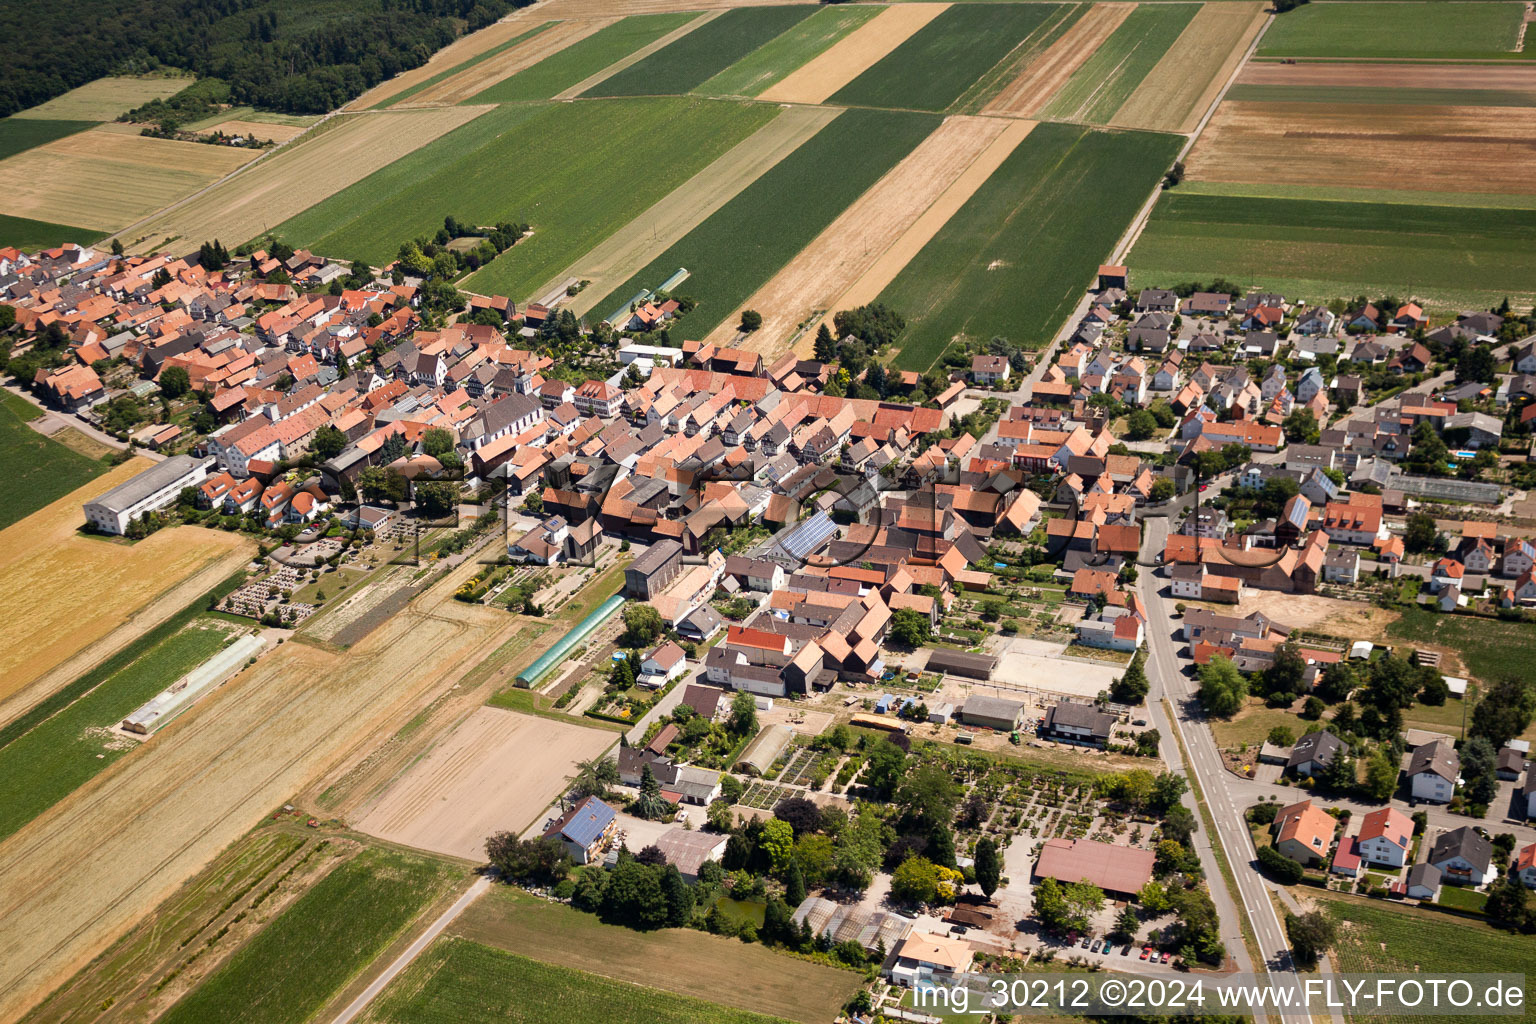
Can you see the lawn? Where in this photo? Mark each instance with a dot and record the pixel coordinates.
(1490, 648)
(37, 470)
(1107, 79)
(598, 166)
(1389, 30)
(22, 133)
(777, 58)
(584, 58)
(49, 757)
(1014, 259)
(1462, 899)
(701, 54)
(682, 961)
(1252, 725)
(763, 227)
(461, 982)
(1376, 936)
(1324, 248)
(941, 60)
(313, 948)
(406, 94)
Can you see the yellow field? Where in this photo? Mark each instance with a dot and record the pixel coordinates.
(107, 180)
(852, 55)
(1177, 92)
(106, 99)
(296, 177)
(476, 79)
(62, 593)
(452, 55)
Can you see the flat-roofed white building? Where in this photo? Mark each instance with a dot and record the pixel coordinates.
(156, 487)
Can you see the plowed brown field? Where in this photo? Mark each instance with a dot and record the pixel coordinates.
(473, 80)
(1443, 149)
(1184, 84)
(852, 55)
(85, 871)
(1038, 82)
(864, 233)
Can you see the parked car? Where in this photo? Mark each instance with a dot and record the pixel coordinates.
(1146, 951)
(1087, 940)
(1167, 956)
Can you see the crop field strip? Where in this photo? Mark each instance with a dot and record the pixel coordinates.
(18, 134)
(1109, 78)
(613, 260)
(419, 90)
(1450, 256)
(851, 56)
(1176, 93)
(37, 470)
(1507, 76)
(701, 54)
(105, 99)
(751, 237)
(294, 965)
(632, 153)
(1434, 148)
(878, 228)
(1013, 260)
(1390, 30)
(31, 235)
(936, 65)
(1477, 200)
(60, 753)
(583, 58)
(1039, 79)
(457, 54)
(281, 185)
(1391, 95)
(462, 86)
(777, 58)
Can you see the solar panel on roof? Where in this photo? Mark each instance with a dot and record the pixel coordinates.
(808, 536)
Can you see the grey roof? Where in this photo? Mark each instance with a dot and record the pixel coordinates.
(1463, 843)
(157, 477)
(1424, 874)
(961, 663)
(1080, 716)
(1321, 747)
(1436, 756)
(656, 556)
(992, 707)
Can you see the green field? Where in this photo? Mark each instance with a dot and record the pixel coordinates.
(313, 948)
(1382, 94)
(777, 58)
(1346, 194)
(575, 171)
(1386, 30)
(1106, 80)
(406, 94)
(32, 235)
(1014, 259)
(18, 134)
(58, 754)
(461, 982)
(747, 240)
(1491, 648)
(584, 58)
(707, 50)
(942, 59)
(1384, 937)
(37, 470)
(1325, 249)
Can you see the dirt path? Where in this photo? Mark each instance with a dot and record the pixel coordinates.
(633, 246)
(848, 247)
(1038, 82)
(1180, 88)
(921, 230)
(81, 874)
(854, 54)
(473, 80)
(639, 55)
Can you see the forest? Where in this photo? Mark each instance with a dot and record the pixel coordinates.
(294, 56)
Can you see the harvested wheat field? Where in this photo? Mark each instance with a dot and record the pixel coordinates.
(620, 255)
(1394, 76)
(477, 78)
(1356, 145)
(106, 99)
(295, 178)
(496, 772)
(865, 232)
(451, 56)
(61, 592)
(81, 874)
(887, 264)
(1189, 77)
(259, 130)
(104, 179)
(1038, 82)
(852, 55)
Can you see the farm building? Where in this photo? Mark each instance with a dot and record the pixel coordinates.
(156, 487)
(649, 574)
(1118, 870)
(959, 663)
(687, 851)
(765, 749)
(992, 712)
